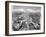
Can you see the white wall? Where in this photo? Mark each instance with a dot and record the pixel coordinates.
(2, 19)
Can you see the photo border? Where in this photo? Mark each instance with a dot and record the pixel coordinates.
(7, 17)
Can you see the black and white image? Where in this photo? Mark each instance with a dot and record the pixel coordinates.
(25, 18)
